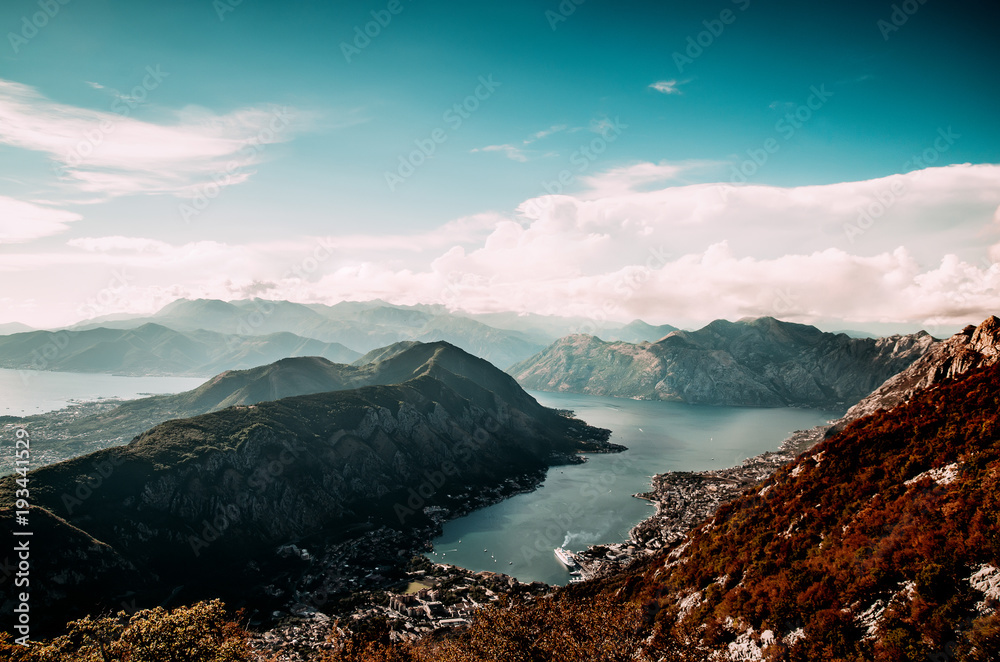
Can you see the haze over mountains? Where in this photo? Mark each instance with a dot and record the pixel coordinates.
(362, 326)
(344, 459)
(153, 349)
(206, 336)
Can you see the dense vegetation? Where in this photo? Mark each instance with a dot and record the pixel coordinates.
(200, 633)
(848, 526)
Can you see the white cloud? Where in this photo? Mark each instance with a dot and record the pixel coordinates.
(545, 133)
(24, 221)
(110, 153)
(630, 247)
(119, 243)
(626, 179)
(518, 153)
(667, 86)
(512, 152)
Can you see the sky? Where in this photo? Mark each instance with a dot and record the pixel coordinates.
(678, 162)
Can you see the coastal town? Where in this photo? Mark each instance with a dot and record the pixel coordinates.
(683, 499)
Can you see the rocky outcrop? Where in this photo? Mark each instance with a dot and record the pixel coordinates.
(974, 347)
(761, 362)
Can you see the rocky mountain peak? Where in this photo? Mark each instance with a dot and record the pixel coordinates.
(986, 337)
(973, 347)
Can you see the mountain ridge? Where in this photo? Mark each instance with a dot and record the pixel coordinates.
(156, 349)
(202, 502)
(760, 362)
(975, 346)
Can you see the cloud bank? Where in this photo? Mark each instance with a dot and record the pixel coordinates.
(918, 248)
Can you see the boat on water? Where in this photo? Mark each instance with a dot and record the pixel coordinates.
(565, 557)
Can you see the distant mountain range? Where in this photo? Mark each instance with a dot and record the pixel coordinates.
(756, 362)
(638, 331)
(280, 326)
(156, 349)
(203, 503)
(14, 327)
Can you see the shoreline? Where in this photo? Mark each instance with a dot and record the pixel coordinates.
(684, 499)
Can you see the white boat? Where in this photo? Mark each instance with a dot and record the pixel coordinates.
(565, 557)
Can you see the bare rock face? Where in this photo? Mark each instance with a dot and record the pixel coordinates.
(974, 347)
(760, 363)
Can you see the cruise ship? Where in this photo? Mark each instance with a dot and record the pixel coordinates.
(566, 558)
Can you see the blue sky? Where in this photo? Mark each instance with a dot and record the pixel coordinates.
(265, 91)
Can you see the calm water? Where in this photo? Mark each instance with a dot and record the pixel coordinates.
(25, 392)
(592, 503)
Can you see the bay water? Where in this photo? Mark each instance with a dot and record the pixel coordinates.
(27, 392)
(592, 503)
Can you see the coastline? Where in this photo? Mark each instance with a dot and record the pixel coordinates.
(683, 499)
